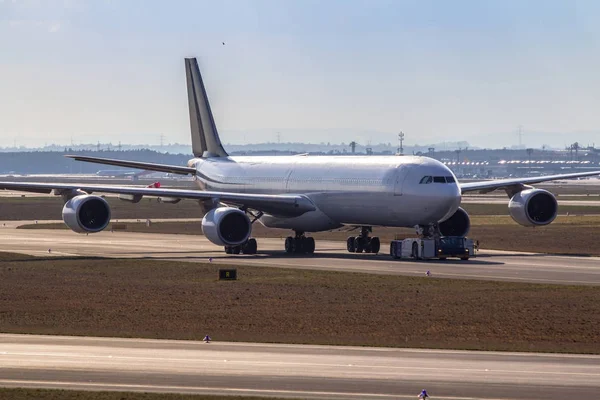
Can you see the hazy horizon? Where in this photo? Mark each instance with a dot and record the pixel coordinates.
(348, 70)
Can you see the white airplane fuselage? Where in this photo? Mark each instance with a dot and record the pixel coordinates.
(346, 190)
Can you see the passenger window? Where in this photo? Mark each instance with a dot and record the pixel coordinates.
(450, 179)
(425, 179)
(439, 179)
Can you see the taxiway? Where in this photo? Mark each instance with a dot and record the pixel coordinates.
(310, 372)
(330, 255)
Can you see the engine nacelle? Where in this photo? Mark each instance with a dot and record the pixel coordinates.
(226, 226)
(533, 207)
(86, 214)
(458, 224)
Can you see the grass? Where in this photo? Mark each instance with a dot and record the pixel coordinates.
(50, 394)
(163, 299)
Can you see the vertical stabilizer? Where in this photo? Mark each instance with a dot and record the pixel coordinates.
(205, 138)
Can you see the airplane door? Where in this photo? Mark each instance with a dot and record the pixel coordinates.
(401, 174)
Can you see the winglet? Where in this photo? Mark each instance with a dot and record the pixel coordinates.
(205, 138)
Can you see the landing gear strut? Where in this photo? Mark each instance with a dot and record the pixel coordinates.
(250, 247)
(363, 242)
(299, 244)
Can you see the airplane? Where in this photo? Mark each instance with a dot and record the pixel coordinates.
(302, 193)
(119, 173)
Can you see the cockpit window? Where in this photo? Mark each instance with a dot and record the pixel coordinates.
(437, 179)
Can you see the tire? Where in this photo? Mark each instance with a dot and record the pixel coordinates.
(368, 247)
(250, 247)
(375, 245)
(299, 245)
(289, 245)
(415, 251)
(393, 250)
(236, 249)
(228, 250)
(309, 245)
(359, 244)
(464, 258)
(351, 244)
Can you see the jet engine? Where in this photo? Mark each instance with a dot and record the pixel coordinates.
(226, 226)
(86, 214)
(457, 225)
(533, 207)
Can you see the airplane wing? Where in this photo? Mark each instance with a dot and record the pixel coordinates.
(516, 184)
(174, 169)
(288, 205)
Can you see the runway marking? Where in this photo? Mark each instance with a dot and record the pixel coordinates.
(304, 364)
(218, 389)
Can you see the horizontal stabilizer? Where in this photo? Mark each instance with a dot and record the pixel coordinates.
(173, 169)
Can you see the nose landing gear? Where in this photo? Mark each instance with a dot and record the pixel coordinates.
(363, 242)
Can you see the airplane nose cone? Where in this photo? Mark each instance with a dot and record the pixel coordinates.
(450, 201)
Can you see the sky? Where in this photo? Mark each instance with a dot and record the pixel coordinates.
(308, 71)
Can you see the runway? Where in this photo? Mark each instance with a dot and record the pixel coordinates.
(311, 372)
(330, 255)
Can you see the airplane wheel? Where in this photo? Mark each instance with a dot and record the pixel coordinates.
(375, 245)
(299, 244)
(350, 244)
(250, 247)
(309, 245)
(359, 244)
(289, 245)
(228, 250)
(368, 246)
(236, 249)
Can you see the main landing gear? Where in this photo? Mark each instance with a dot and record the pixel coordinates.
(363, 242)
(299, 244)
(250, 247)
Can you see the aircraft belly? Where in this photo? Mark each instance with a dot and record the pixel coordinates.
(370, 209)
(312, 221)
